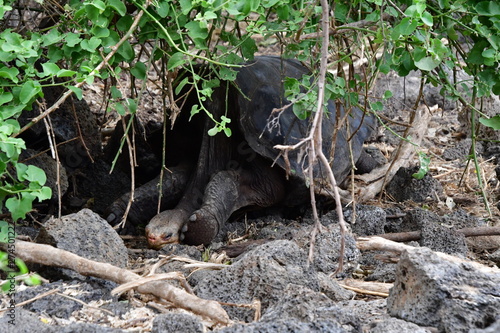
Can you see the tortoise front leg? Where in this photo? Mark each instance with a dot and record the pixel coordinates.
(146, 197)
(229, 191)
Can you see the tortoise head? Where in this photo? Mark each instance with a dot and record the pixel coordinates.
(165, 228)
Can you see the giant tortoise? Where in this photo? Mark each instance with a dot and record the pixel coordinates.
(245, 170)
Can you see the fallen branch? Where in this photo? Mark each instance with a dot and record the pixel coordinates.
(367, 287)
(416, 235)
(50, 256)
(401, 157)
(375, 243)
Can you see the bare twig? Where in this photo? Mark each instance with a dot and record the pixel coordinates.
(130, 147)
(313, 144)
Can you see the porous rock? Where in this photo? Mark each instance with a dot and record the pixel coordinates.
(404, 187)
(367, 220)
(23, 321)
(86, 328)
(262, 273)
(59, 306)
(493, 328)
(495, 257)
(443, 239)
(86, 234)
(285, 325)
(436, 232)
(327, 248)
(333, 290)
(394, 325)
(177, 323)
(300, 309)
(446, 292)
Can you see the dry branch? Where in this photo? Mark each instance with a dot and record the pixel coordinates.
(50, 256)
(416, 235)
(401, 157)
(367, 287)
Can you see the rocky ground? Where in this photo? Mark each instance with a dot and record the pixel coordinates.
(442, 281)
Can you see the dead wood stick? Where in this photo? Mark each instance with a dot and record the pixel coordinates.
(367, 287)
(416, 235)
(51, 256)
(374, 243)
(382, 175)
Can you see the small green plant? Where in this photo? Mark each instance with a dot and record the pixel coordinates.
(14, 269)
(16, 272)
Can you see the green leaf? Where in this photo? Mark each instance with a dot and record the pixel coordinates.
(33, 280)
(181, 85)
(77, 91)
(248, 47)
(227, 73)
(126, 51)
(100, 32)
(50, 69)
(163, 8)
(91, 44)
(132, 105)
(493, 122)
(195, 109)
(424, 166)
(118, 6)
(227, 131)
(35, 174)
(65, 73)
(176, 60)
(387, 94)
(427, 63)
(115, 92)
(52, 37)
(186, 6)
(197, 30)
(427, 19)
(72, 39)
(5, 228)
(44, 193)
(120, 109)
(125, 22)
(488, 8)
(300, 112)
(20, 207)
(376, 106)
(5, 97)
(139, 70)
(29, 90)
(213, 131)
(12, 111)
(9, 73)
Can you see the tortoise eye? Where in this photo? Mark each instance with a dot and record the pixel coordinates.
(167, 236)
